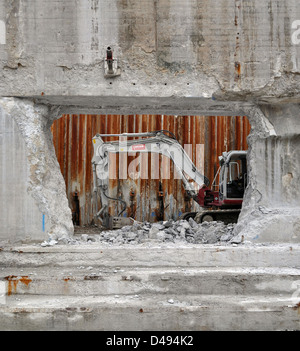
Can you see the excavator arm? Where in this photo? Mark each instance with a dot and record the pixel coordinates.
(152, 142)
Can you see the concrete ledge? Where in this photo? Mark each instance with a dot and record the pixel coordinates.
(153, 287)
(90, 281)
(152, 256)
(151, 313)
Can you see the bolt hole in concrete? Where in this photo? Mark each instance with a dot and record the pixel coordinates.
(148, 183)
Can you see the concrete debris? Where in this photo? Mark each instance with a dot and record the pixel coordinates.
(170, 231)
(50, 242)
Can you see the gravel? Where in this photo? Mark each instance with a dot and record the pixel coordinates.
(181, 231)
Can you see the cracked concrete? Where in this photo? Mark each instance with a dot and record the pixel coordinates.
(198, 48)
(45, 183)
(196, 57)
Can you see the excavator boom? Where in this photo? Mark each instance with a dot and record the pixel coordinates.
(151, 142)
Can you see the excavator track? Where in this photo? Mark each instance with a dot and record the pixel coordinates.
(226, 216)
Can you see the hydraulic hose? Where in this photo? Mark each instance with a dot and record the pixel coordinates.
(119, 200)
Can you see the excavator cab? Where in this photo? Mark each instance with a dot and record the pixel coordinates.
(233, 175)
(223, 201)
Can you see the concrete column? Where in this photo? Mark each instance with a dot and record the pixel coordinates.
(271, 209)
(34, 195)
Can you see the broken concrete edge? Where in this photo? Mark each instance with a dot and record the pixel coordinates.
(45, 184)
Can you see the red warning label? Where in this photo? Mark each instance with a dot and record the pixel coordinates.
(138, 147)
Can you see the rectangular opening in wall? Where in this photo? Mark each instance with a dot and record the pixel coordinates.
(148, 183)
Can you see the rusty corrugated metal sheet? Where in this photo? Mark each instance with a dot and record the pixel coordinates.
(147, 199)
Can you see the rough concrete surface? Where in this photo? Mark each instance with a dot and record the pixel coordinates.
(150, 286)
(195, 47)
(196, 57)
(207, 57)
(45, 183)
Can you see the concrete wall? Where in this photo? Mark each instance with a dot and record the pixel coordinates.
(194, 57)
(198, 48)
(33, 193)
(271, 209)
(21, 217)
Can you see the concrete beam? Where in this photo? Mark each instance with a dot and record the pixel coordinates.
(245, 49)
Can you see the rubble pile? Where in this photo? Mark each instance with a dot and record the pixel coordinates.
(167, 231)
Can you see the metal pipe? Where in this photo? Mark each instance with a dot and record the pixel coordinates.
(153, 133)
(127, 134)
